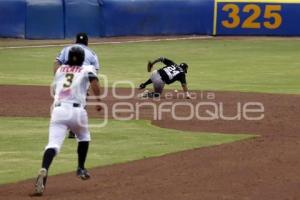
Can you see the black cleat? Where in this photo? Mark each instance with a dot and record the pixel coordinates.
(153, 95)
(83, 174)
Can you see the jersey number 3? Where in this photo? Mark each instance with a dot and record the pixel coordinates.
(68, 80)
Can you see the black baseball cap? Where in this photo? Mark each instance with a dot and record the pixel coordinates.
(76, 56)
(82, 38)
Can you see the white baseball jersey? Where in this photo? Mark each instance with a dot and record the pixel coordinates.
(90, 57)
(71, 83)
(70, 88)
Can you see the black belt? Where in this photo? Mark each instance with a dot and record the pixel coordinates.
(75, 105)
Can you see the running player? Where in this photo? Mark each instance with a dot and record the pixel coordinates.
(89, 59)
(70, 86)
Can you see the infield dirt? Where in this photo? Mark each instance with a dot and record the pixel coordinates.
(265, 167)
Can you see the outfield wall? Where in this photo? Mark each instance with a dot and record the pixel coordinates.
(157, 17)
(47, 19)
(12, 18)
(44, 19)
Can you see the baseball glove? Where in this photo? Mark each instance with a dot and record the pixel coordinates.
(149, 66)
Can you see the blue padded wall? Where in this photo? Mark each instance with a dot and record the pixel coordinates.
(45, 19)
(82, 16)
(12, 18)
(156, 17)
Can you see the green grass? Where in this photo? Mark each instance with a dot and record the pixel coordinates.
(256, 65)
(23, 141)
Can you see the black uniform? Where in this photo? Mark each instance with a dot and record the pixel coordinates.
(171, 72)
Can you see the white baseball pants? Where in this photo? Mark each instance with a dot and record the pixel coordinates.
(64, 117)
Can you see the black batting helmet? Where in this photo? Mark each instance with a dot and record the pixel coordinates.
(82, 38)
(76, 56)
(184, 66)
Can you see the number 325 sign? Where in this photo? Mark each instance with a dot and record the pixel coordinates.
(271, 16)
(250, 18)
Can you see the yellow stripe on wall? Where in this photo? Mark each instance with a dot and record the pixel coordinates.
(215, 18)
(258, 1)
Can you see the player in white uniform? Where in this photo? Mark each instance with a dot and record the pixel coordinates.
(70, 85)
(89, 59)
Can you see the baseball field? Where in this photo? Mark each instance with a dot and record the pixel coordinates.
(223, 151)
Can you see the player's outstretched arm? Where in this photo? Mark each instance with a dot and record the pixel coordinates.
(157, 60)
(186, 91)
(167, 61)
(160, 59)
